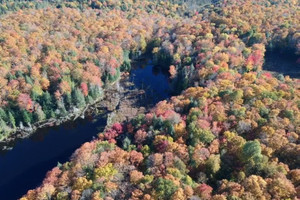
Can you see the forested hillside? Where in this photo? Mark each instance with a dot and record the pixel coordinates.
(231, 131)
(237, 138)
(57, 59)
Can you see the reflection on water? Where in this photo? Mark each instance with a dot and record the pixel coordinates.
(25, 166)
(152, 80)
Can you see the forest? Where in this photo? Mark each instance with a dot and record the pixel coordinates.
(230, 131)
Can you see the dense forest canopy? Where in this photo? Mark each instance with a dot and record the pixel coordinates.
(59, 56)
(232, 132)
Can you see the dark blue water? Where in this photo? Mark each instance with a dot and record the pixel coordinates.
(25, 166)
(152, 80)
(282, 63)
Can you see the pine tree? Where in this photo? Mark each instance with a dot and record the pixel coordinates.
(26, 117)
(61, 107)
(95, 91)
(47, 105)
(39, 115)
(3, 114)
(12, 120)
(68, 99)
(28, 80)
(78, 97)
(3, 127)
(89, 99)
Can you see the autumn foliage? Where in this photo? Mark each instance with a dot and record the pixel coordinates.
(232, 132)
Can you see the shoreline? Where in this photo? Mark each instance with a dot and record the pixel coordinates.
(118, 107)
(26, 132)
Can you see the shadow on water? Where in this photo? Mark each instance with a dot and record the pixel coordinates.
(151, 79)
(25, 166)
(282, 63)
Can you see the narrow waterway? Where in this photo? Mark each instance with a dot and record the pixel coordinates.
(25, 166)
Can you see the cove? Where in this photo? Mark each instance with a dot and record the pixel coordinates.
(25, 166)
(282, 63)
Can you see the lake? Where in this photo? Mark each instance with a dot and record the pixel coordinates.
(25, 166)
(282, 63)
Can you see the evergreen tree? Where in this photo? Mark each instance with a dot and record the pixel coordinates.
(126, 143)
(61, 107)
(47, 104)
(113, 78)
(3, 114)
(39, 115)
(12, 120)
(95, 91)
(26, 117)
(78, 98)
(35, 96)
(89, 99)
(68, 100)
(52, 114)
(28, 80)
(3, 127)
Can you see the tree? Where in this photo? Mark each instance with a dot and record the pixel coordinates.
(256, 185)
(254, 161)
(26, 117)
(95, 91)
(47, 104)
(198, 134)
(12, 120)
(204, 191)
(78, 97)
(84, 89)
(68, 100)
(251, 149)
(81, 184)
(65, 87)
(25, 102)
(39, 114)
(172, 71)
(135, 176)
(3, 127)
(179, 195)
(281, 188)
(3, 114)
(61, 107)
(213, 164)
(165, 188)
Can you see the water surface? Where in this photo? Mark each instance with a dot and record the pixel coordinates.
(25, 166)
(282, 63)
